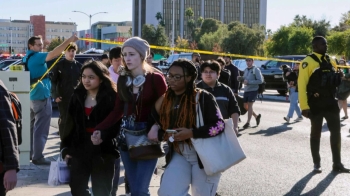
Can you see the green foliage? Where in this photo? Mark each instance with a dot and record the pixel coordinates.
(344, 23)
(320, 27)
(290, 40)
(181, 43)
(200, 21)
(339, 43)
(189, 12)
(213, 39)
(160, 19)
(155, 36)
(209, 25)
(53, 44)
(243, 40)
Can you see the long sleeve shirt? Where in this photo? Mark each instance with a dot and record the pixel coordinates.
(234, 74)
(8, 136)
(253, 79)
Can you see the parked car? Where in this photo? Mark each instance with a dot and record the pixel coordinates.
(81, 58)
(274, 76)
(174, 57)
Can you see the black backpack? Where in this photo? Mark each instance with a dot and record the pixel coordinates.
(17, 114)
(25, 64)
(261, 88)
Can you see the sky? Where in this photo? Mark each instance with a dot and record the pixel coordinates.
(279, 12)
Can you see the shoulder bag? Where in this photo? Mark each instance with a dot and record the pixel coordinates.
(220, 152)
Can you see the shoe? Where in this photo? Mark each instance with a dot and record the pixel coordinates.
(286, 119)
(299, 119)
(340, 168)
(258, 119)
(41, 161)
(247, 125)
(317, 168)
(345, 117)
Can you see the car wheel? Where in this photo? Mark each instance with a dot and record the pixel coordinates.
(282, 92)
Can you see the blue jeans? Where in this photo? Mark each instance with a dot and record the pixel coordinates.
(293, 106)
(139, 173)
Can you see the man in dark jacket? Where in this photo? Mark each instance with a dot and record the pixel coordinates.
(223, 94)
(225, 74)
(234, 74)
(65, 78)
(9, 164)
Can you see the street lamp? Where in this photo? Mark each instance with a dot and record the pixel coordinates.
(90, 16)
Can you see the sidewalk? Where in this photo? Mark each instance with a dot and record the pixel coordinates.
(32, 179)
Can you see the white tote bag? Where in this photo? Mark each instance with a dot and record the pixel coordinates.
(217, 153)
(59, 172)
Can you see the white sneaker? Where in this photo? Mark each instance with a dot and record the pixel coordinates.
(299, 119)
(286, 119)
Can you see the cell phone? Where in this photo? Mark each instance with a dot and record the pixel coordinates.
(173, 131)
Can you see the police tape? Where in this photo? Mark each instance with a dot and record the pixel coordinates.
(32, 87)
(194, 51)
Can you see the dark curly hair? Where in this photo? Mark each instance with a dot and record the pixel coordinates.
(186, 115)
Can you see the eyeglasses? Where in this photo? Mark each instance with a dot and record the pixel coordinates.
(209, 72)
(38, 44)
(175, 77)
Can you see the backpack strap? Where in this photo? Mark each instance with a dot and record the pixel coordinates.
(27, 60)
(314, 57)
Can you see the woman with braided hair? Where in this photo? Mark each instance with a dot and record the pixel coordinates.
(176, 110)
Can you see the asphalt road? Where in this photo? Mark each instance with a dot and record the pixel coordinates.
(279, 159)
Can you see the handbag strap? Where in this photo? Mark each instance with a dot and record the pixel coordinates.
(199, 116)
(60, 156)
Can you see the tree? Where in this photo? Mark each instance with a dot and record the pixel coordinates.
(290, 40)
(209, 40)
(53, 44)
(181, 43)
(200, 21)
(160, 19)
(155, 36)
(243, 40)
(320, 27)
(130, 31)
(339, 43)
(191, 24)
(209, 25)
(344, 22)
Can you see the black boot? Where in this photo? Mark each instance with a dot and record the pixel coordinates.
(340, 168)
(315, 152)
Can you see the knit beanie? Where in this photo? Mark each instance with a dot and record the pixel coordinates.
(140, 45)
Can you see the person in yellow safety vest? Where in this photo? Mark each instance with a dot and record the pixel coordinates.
(317, 82)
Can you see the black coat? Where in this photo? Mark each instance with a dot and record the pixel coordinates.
(77, 139)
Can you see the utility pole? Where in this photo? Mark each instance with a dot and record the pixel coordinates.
(173, 29)
(11, 35)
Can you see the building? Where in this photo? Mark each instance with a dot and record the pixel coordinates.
(248, 12)
(112, 31)
(16, 33)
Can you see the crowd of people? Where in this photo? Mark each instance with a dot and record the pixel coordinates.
(102, 102)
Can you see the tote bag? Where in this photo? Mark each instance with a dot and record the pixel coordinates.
(59, 172)
(218, 153)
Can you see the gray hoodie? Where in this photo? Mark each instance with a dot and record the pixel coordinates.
(253, 80)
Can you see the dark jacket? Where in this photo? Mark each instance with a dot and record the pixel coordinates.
(65, 77)
(9, 156)
(78, 140)
(211, 117)
(234, 74)
(293, 77)
(224, 97)
(225, 77)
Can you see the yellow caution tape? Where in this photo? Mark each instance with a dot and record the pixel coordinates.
(192, 51)
(32, 87)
